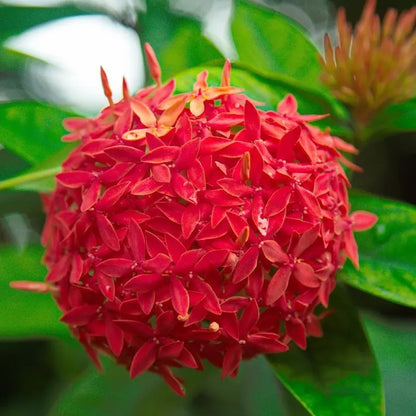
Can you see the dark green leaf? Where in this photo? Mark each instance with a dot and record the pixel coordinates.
(26, 314)
(32, 130)
(11, 164)
(177, 40)
(396, 118)
(36, 179)
(387, 251)
(272, 89)
(394, 343)
(41, 177)
(252, 393)
(337, 374)
(267, 40)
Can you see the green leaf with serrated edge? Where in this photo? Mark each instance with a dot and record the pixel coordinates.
(26, 314)
(271, 41)
(253, 393)
(272, 89)
(32, 130)
(337, 374)
(394, 119)
(387, 251)
(177, 40)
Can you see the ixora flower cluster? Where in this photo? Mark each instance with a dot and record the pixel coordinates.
(196, 227)
(374, 64)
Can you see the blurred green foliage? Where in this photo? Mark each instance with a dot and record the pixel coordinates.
(338, 374)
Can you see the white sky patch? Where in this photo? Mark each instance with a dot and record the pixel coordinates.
(75, 47)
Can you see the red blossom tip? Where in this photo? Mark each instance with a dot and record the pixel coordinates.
(106, 86)
(153, 64)
(126, 94)
(29, 286)
(226, 74)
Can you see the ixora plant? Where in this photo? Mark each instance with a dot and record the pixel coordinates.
(194, 225)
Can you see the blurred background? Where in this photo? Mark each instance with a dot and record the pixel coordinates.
(51, 52)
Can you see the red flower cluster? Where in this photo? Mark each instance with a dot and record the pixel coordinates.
(196, 226)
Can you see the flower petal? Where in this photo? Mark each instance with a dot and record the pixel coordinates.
(75, 179)
(246, 264)
(107, 232)
(231, 360)
(278, 284)
(143, 359)
(273, 252)
(180, 296)
(278, 201)
(114, 335)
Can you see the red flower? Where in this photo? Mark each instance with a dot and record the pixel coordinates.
(215, 240)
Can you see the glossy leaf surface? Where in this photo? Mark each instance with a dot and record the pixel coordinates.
(337, 374)
(271, 41)
(387, 251)
(32, 130)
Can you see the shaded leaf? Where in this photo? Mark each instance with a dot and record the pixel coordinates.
(396, 118)
(114, 392)
(337, 374)
(394, 340)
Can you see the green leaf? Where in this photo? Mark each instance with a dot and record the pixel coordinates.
(11, 164)
(394, 343)
(252, 393)
(32, 130)
(337, 374)
(41, 177)
(396, 118)
(177, 40)
(270, 41)
(272, 89)
(26, 314)
(387, 251)
(37, 180)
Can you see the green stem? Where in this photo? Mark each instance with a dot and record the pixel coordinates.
(29, 177)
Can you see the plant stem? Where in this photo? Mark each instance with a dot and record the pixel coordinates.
(29, 177)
